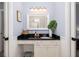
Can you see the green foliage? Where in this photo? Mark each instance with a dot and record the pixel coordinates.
(52, 25)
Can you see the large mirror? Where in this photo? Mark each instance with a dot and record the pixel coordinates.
(38, 22)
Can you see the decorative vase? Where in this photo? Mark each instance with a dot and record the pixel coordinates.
(50, 33)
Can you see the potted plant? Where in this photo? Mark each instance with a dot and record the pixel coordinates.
(52, 26)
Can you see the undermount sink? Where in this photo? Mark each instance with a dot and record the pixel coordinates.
(45, 37)
(41, 38)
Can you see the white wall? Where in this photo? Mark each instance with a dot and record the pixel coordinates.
(56, 11)
(18, 26)
(59, 15)
(27, 6)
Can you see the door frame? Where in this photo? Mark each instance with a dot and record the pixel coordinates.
(73, 29)
(6, 29)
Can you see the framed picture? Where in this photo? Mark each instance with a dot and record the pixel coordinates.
(18, 16)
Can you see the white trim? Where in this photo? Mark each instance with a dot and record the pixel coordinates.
(65, 42)
(67, 29)
(6, 28)
(6, 23)
(10, 28)
(73, 28)
(73, 19)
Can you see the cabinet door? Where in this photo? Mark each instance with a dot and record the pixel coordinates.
(47, 49)
(40, 51)
(53, 51)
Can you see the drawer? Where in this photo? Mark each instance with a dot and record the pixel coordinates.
(25, 42)
(47, 43)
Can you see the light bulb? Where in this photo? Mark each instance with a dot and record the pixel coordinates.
(44, 10)
(32, 10)
(35, 10)
(40, 10)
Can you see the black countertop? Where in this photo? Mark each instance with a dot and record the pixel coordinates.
(31, 37)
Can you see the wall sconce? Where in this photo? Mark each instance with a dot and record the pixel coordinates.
(18, 16)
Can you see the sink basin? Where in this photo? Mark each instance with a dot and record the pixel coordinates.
(45, 37)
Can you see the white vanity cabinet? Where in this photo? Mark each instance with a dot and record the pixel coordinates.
(47, 48)
(44, 48)
(53, 51)
(40, 51)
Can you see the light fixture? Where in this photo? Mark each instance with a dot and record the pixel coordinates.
(38, 10)
(45, 10)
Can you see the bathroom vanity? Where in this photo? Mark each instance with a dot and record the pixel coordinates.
(43, 47)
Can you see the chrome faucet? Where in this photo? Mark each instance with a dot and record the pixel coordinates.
(36, 35)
